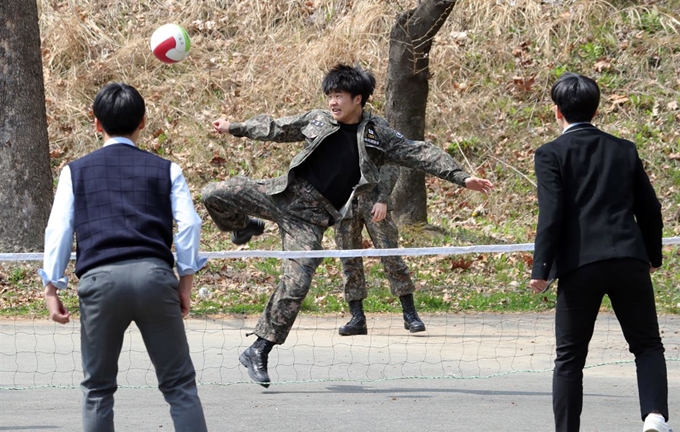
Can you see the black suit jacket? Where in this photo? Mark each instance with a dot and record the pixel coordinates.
(595, 203)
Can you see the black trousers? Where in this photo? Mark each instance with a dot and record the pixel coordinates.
(628, 284)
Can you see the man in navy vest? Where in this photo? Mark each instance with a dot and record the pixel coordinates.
(120, 202)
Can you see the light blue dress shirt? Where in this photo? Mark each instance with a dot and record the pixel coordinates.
(59, 231)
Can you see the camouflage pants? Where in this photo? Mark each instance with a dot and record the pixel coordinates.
(302, 216)
(384, 235)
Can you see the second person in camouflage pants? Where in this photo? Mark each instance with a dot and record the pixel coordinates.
(372, 210)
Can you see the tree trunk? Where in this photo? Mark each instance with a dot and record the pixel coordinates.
(25, 176)
(406, 96)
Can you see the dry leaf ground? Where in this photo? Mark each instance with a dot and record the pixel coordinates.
(492, 65)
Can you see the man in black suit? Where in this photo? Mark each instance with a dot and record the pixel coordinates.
(599, 231)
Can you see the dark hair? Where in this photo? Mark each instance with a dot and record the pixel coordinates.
(576, 96)
(352, 79)
(119, 108)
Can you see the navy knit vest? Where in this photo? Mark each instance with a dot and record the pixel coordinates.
(122, 207)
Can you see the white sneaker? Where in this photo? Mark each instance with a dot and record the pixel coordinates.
(656, 423)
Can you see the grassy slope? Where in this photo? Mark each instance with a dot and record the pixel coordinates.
(492, 64)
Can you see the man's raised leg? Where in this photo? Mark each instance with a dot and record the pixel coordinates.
(231, 202)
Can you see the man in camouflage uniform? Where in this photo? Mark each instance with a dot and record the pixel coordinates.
(344, 149)
(372, 210)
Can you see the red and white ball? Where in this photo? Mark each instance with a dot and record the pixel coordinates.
(170, 43)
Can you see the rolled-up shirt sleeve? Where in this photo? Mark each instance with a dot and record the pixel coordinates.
(188, 236)
(59, 234)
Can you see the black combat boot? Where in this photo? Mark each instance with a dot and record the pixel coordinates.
(412, 321)
(255, 227)
(255, 360)
(357, 325)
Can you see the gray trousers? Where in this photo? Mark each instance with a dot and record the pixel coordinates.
(111, 297)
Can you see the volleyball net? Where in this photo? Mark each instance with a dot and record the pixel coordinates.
(35, 352)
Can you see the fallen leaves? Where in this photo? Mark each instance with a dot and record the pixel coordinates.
(217, 160)
(522, 84)
(603, 64)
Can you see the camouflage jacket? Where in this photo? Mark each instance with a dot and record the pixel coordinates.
(378, 145)
(389, 174)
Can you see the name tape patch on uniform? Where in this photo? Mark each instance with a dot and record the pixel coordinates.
(371, 138)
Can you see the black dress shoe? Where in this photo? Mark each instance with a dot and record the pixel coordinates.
(255, 360)
(255, 228)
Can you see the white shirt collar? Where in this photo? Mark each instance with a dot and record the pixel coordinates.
(119, 140)
(570, 125)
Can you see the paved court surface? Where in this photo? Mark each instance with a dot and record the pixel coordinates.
(467, 372)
